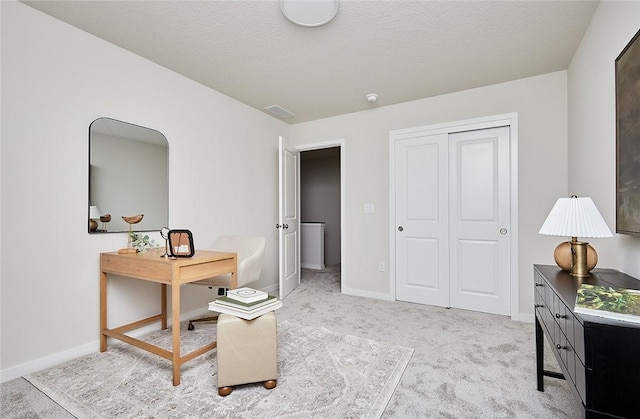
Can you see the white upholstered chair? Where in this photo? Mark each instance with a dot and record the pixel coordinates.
(250, 251)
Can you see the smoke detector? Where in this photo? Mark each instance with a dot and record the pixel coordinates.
(372, 98)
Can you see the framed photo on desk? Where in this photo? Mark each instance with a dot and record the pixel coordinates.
(181, 243)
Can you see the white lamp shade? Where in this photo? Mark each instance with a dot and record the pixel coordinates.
(575, 217)
(94, 212)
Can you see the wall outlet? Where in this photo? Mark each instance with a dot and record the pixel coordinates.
(369, 209)
(381, 266)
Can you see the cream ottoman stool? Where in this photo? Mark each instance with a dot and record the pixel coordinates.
(247, 352)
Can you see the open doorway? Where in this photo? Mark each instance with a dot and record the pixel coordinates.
(320, 213)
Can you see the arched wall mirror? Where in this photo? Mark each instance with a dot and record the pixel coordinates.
(128, 175)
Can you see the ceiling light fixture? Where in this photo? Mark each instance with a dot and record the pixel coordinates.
(310, 13)
(372, 98)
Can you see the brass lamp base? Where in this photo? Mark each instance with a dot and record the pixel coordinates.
(564, 257)
(576, 257)
(579, 267)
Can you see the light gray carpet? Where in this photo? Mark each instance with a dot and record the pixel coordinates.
(465, 364)
(321, 374)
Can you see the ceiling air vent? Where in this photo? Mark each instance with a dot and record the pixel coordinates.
(279, 111)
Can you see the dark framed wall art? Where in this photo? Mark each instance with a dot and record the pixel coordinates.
(627, 70)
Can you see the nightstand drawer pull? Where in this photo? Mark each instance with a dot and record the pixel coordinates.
(539, 285)
(560, 347)
(539, 305)
(560, 316)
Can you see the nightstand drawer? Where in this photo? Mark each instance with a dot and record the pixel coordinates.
(568, 357)
(539, 299)
(540, 290)
(550, 298)
(559, 313)
(578, 333)
(580, 379)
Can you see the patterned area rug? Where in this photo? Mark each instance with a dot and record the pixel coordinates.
(320, 373)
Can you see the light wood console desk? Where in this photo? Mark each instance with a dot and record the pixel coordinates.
(164, 271)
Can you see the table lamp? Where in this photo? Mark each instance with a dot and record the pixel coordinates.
(576, 217)
(94, 214)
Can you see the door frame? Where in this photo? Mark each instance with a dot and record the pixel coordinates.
(494, 121)
(343, 237)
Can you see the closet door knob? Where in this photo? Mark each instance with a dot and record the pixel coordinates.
(400, 228)
(278, 226)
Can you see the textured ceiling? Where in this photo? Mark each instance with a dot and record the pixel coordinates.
(401, 50)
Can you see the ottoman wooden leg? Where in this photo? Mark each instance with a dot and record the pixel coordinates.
(225, 391)
(270, 384)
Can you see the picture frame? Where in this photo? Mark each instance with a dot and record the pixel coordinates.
(181, 243)
(627, 85)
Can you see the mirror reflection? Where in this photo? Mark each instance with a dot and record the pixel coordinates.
(128, 176)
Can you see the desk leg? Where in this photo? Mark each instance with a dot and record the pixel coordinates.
(234, 275)
(175, 324)
(163, 305)
(103, 311)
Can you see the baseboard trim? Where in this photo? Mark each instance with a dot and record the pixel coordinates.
(273, 289)
(48, 361)
(82, 350)
(526, 318)
(367, 294)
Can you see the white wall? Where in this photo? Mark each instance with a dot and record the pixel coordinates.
(56, 80)
(592, 124)
(541, 106)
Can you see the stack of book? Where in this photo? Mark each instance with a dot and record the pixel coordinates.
(245, 303)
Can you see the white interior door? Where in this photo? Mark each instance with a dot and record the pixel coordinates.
(479, 220)
(289, 215)
(422, 220)
(452, 216)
